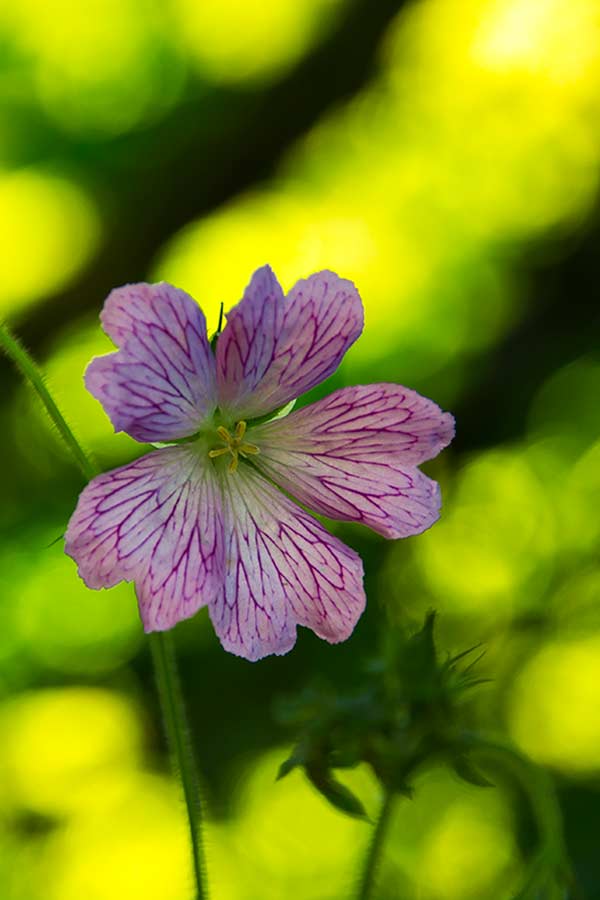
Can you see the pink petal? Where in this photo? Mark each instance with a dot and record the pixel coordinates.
(353, 455)
(275, 348)
(161, 384)
(158, 522)
(283, 569)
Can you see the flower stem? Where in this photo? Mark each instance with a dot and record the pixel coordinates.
(373, 859)
(551, 861)
(29, 369)
(167, 680)
(169, 691)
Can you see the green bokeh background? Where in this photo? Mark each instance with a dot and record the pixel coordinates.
(443, 154)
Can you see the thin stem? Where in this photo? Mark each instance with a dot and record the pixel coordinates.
(23, 361)
(551, 856)
(169, 691)
(373, 859)
(163, 655)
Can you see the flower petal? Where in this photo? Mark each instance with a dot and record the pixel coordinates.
(353, 455)
(158, 522)
(283, 569)
(275, 348)
(161, 384)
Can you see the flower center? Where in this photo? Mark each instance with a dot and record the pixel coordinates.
(234, 445)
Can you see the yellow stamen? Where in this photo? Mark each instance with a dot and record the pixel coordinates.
(220, 452)
(248, 449)
(234, 445)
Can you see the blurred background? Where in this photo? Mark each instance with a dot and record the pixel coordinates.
(443, 154)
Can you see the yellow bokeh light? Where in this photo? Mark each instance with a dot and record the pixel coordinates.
(87, 631)
(240, 42)
(454, 841)
(557, 38)
(129, 842)
(54, 742)
(49, 230)
(581, 499)
(491, 553)
(554, 712)
(466, 853)
(501, 95)
(510, 134)
(136, 71)
(304, 853)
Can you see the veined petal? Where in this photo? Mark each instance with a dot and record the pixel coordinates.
(275, 348)
(158, 522)
(365, 423)
(353, 455)
(393, 501)
(161, 384)
(283, 569)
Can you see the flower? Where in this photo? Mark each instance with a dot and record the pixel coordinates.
(202, 521)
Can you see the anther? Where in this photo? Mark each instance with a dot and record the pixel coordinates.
(220, 452)
(248, 449)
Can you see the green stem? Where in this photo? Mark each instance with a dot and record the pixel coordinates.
(551, 857)
(169, 688)
(169, 691)
(373, 859)
(23, 361)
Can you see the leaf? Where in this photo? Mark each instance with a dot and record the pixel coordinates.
(337, 794)
(286, 767)
(296, 758)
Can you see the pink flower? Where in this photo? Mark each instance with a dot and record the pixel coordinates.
(203, 522)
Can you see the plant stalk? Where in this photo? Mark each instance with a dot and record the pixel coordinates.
(551, 859)
(178, 738)
(374, 853)
(32, 373)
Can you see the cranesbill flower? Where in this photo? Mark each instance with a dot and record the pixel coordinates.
(208, 520)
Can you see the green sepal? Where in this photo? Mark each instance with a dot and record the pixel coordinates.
(279, 413)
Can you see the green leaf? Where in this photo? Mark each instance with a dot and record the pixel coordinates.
(298, 757)
(337, 794)
(286, 767)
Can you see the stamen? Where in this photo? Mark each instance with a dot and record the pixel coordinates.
(233, 445)
(220, 452)
(248, 449)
